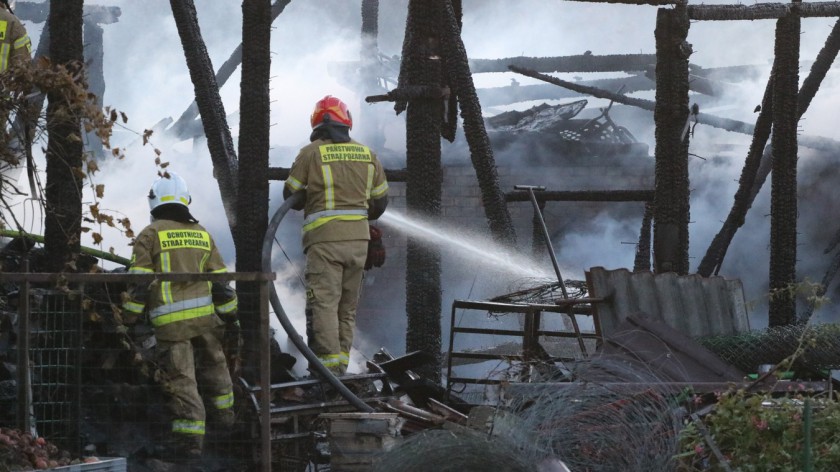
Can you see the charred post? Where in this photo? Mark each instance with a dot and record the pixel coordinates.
(252, 205)
(783, 194)
(63, 219)
(671, 202)
(422, 67)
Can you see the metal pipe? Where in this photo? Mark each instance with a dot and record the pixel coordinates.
(296, 338)
(530, 189)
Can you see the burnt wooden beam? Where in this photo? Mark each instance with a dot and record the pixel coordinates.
(583, 196)
(671, 114)
(783, 204)
(763, 11)
(576, 63)
(421, 66)
(410, 92)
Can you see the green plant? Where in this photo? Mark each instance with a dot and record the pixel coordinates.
(762, 433)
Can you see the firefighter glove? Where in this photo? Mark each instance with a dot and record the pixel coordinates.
(142, 335)
(376, 251)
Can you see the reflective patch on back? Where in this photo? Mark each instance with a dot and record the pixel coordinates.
(4, 26)
(344, 152)
(183, 239)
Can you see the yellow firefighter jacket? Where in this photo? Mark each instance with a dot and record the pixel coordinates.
(14, 42)
(339, 180)
(177, 310)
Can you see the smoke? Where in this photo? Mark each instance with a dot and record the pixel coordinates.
(147, 78)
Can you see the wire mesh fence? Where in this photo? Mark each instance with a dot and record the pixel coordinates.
(809, 347)
(78, 383)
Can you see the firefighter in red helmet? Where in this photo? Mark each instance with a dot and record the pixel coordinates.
(345, 187)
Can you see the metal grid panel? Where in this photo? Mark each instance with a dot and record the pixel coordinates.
(54, 359)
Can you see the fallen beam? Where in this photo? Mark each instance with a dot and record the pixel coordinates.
(576, 63)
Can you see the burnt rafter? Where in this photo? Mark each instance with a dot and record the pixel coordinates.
(763, 11)
(577, 63)
(736, 126)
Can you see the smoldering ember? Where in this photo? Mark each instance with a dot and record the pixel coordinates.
(472, 255)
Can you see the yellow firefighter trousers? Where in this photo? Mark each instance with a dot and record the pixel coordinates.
(334, 273)
(185, 365)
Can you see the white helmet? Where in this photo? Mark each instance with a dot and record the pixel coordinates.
(170, 188)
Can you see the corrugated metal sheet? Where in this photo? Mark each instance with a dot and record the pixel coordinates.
(694, 305)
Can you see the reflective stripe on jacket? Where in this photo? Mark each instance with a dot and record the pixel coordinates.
(177, 310)
(340, 179)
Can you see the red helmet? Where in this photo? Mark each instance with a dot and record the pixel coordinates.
(335, 108)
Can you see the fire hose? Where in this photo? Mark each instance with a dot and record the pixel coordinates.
(300, 344)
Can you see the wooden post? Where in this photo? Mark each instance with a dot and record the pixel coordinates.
(783, 206)
(671, 207)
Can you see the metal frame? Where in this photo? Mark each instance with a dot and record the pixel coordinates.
(529, 334)
(26, 279)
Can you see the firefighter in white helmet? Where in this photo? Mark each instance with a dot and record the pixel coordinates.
(188, 318)
(345, 187)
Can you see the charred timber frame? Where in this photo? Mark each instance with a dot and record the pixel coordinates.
(783, 205)
(671, 200)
